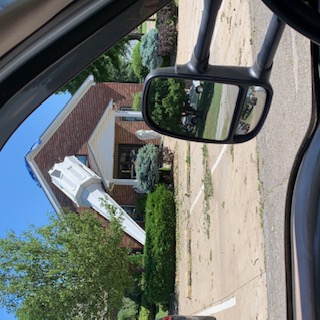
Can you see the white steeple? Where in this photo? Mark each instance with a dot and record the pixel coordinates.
(84, 188)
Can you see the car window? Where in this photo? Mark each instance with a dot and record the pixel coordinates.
(203, 222)
(72, 119)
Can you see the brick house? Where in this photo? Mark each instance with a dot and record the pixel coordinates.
(98, 127)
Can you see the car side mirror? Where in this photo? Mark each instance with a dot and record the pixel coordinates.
(223, 105)
(205, 103)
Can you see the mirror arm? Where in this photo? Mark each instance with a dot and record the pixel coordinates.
(200, 56)
(264, 61)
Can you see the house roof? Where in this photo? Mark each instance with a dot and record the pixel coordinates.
(37, 174)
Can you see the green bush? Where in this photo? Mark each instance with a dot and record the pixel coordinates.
(136, 260)
(145, 314)
(149, 50)
(140, 206)
(138, 68)
(167, 26)
(147, 167)
(135, 290)
(136, 104)
(159, 250)
(167, 97)
(129, 310)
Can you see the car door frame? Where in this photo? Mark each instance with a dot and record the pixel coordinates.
(53, 55)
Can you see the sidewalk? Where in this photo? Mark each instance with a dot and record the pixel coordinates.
(220, 250)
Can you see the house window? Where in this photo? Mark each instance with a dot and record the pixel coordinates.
(127, 158)
(82, 158)
(129, 210)
(129, 118)
(133, 213)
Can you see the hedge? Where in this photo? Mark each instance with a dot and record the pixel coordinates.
(159, 250)
(138, 68)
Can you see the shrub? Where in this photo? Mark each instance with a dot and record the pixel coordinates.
(149, 50)
(160, 246)
(136, 104)
(166, 24)
(138, 68)
(167, 98)
(135, 290)
(128, 311)
(168, 13)
(140, 206)
(167, 40)
(145, 314)
(147, 167)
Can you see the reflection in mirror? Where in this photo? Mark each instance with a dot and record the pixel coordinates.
(192, 108)
(252, 110)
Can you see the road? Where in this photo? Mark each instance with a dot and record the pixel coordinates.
(278, 143)
(228, 102)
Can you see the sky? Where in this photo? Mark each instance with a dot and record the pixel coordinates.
(22, 202)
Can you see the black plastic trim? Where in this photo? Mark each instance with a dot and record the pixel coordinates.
(291, 213)
(298, 15)
(241, 76)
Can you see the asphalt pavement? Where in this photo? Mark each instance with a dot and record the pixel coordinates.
(278, 143)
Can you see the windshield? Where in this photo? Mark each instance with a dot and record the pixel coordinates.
(203, 223)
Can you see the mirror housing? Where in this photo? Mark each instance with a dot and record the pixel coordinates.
(237, 127)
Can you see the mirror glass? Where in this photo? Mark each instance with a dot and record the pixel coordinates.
(192, 108)
(252, 110)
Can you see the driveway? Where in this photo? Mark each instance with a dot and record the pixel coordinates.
(230, 199)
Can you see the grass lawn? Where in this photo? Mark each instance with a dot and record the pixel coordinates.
(204, 102)
(211, 121)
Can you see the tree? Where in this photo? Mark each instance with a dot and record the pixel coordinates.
(136, 61)
(111, 66)
(167, 26)
(136, 103)
(70, 269)
(149, 50)
(147, 167)
(129, 310)
(167, 99)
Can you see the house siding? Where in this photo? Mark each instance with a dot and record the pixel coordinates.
(125, 135)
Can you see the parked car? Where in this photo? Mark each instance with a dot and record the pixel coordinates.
(189, 121)
(194, 94)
